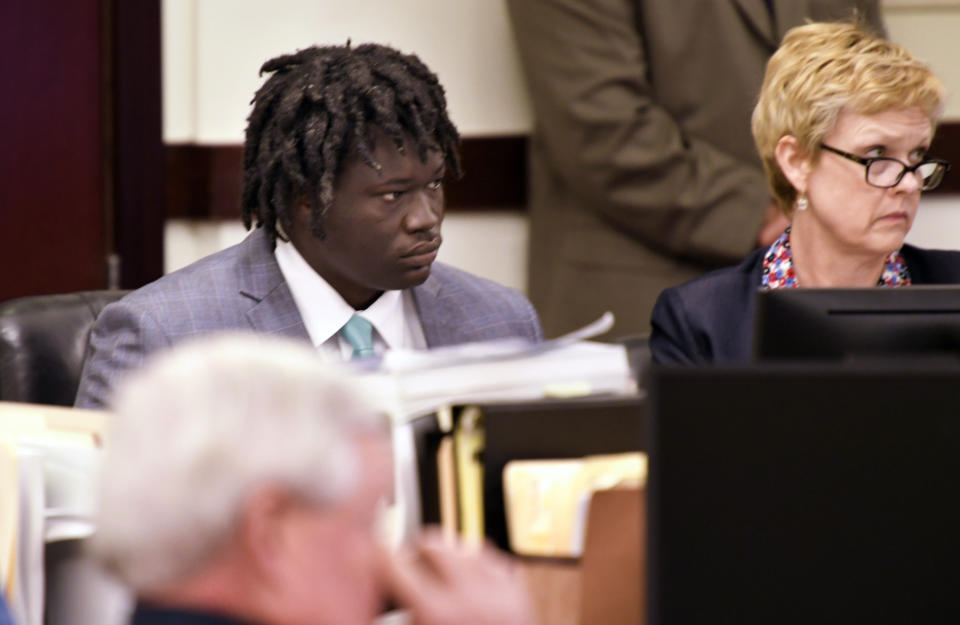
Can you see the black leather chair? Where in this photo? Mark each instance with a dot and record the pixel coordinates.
(42, 343)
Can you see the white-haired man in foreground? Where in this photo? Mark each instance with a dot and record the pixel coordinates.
(240, 484)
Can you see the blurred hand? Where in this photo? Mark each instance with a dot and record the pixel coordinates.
(774, 223)
(445, 584)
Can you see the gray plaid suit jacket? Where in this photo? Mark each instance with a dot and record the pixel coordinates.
(242, 288)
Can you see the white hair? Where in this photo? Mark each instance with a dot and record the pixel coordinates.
(203, 424)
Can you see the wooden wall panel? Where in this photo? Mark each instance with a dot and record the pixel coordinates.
(81, 172)
(51, 228)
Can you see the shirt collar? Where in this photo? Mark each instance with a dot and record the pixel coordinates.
(778, 271)
(387, 315)
(323, 309)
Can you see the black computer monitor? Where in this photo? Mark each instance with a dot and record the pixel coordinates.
(804, 494)
(916, 321)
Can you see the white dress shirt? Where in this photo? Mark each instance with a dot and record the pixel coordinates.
(396, 323)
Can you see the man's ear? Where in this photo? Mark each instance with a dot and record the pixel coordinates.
(261, 531)
(302, 209)
(794, 162)
(298, 217)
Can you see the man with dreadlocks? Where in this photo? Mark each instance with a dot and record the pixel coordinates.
(345, 154)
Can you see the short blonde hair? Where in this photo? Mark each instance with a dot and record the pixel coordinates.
(822, 69)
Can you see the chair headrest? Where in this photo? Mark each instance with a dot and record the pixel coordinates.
(42, 343)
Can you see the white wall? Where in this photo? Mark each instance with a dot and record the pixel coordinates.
(213, 50)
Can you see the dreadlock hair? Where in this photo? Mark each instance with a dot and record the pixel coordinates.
(321, 104)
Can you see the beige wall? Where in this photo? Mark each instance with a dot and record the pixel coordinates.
(213, 49)
(931, 30)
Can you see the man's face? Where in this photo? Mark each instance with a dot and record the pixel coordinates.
(331, 571)
(383, 228)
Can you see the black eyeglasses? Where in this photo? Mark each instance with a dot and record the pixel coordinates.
(886, 172)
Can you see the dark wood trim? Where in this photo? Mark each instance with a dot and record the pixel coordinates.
(204, 181)
(495, 174)
(137, 131)
(107, 151)
(946, 145)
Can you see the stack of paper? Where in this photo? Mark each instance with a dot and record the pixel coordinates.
(410, 384)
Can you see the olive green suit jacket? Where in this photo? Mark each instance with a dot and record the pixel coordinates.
(643, 172)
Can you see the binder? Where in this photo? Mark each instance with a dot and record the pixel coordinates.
(541, 429)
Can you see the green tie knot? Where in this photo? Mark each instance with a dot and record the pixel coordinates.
(359, 333)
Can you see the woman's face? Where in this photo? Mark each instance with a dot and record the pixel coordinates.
(861, 218)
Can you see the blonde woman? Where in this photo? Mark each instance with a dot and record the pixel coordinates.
(843, 124)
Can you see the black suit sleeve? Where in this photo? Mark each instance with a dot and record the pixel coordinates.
(672, 339)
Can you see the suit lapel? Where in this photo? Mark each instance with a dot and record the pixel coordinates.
(437, 322)
(272, 309)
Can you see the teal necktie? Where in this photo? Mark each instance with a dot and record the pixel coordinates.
(359, 333)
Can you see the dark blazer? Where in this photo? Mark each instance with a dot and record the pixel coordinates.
(242, 288)
(710, 319)
(150, 615)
